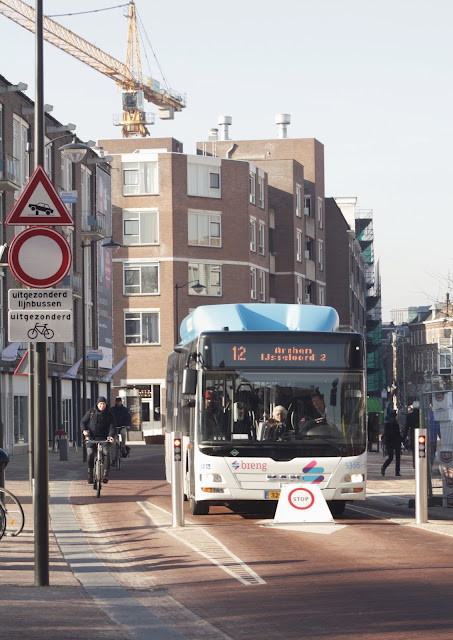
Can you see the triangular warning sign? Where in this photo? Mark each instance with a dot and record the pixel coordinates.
(23, 367)
(39, 203)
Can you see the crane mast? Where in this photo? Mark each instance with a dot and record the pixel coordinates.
(128, 76)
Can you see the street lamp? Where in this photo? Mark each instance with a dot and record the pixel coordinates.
(198, 288)
(74, 151)
(111, 244)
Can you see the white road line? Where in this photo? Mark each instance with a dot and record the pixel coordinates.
(204, 544)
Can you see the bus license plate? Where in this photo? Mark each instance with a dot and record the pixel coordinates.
(272, 495)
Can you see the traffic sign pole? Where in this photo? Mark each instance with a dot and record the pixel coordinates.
(41, 455)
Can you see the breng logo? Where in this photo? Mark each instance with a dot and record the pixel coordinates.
(249, 466)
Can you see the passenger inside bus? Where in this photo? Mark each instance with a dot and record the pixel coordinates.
(215, 421)
(276, 428)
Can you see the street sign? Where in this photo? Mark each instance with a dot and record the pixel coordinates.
(39, 204)
(23, 367)
(39, 257)
(41, 326)
(55, 299)
(94, 355)
(302, 503)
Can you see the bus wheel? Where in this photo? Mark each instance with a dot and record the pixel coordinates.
(198, 508)
(336, 507)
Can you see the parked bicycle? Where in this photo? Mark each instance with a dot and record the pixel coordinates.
(12, 518)
(14, 514)
(98, 470)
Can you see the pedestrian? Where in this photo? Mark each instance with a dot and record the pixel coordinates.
(99, 424)
(123, 423)
(392, 441)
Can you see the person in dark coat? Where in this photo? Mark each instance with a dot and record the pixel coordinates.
(99, 424)
(123, 422)
(392, 440)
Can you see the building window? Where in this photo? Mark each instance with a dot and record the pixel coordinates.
(320, 255)
(298, 201)
(321, 295)
(260, 191)
(140, 178)
(308, 292)
(253, 283)
(209, 275)
(307, 205)
(205, 229)
(261, 238)
(47, 157)
(141, 278)
(299, 246)
(141, 327)
(299, 290)
(85, 195)
(140, 226)
(262, 280)
(320, 221)
(252, 234)
(308, 249)
(20, 152)
(252, 186)
(203, 179)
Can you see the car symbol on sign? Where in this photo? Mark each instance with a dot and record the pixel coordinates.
(41, 207)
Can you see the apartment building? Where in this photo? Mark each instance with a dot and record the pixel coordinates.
(183, 220)
(295, 171)
(88, 182)
(346, 289)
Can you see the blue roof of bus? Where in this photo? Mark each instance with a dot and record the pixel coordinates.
(258, 317)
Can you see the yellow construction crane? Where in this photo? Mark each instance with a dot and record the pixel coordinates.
(135, 89)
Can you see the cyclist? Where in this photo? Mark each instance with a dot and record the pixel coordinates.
(123, 422)
(98, 424)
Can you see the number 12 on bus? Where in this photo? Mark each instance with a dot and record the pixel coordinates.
(267, 395)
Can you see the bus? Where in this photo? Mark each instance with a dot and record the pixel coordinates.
(234, 365)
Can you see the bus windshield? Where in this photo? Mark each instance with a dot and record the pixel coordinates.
(294, 413)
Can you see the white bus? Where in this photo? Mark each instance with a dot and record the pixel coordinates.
(234, 365)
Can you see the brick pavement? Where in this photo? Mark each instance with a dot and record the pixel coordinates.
(65, 609)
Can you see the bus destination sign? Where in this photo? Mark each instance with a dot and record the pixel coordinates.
(233, 351)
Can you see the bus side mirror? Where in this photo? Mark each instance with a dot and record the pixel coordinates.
(189, 381)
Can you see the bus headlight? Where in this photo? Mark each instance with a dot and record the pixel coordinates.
(355, 477)
(211, 477)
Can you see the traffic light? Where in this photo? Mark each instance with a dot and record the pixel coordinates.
(177, 450)
(422, 446)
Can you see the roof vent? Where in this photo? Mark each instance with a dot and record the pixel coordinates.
(224, 122)
(282, 120)
(213, 135)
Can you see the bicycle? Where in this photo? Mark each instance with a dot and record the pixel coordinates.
(2, 522)
(13, 512)
(98, 463)
(119, 448)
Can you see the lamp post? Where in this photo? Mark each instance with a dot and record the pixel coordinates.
(111, 244)
(198, 288)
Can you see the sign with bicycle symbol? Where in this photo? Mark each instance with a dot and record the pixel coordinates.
(40, 316)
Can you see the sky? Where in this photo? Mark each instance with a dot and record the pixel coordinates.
(370, 80)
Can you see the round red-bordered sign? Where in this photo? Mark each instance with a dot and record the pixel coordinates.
(39, 257)
(311, 498)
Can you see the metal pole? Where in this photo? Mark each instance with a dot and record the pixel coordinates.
(41, 458)
(421, 476)
(177, 481)
(176, 315)
(31, 419)
(84, 349)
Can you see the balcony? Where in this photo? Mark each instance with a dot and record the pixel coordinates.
(9, 173)
(94, 227)
(309, 227)
(310, 270)
(73, 281)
